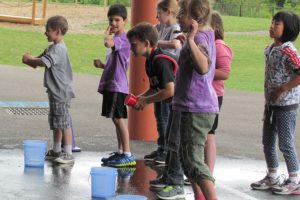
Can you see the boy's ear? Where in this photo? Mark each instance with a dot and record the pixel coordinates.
(147, 43)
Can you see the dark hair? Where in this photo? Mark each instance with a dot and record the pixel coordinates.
(217, 25)
(58, 22)
(144, 31)
(117, 9)
(291, 25)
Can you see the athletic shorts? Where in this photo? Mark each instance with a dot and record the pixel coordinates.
(113, 105)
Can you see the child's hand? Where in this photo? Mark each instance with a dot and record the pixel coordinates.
(194, 29)
(181, 38)
(109, 31)
(26, 60)
(277, 93)
(98, 64)
(141, 103)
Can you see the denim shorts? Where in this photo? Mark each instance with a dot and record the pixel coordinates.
(59, 116)
(193, 133)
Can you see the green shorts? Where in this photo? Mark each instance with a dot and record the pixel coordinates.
(194, 128)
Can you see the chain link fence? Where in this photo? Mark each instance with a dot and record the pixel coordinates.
(254, 10)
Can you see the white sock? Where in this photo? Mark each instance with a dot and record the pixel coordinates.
(120, 151)
(272, 173)
(294, 177)
(57, 146)
(68, 149)
(127, 153)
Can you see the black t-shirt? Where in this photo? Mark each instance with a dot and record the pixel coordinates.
(160, 72)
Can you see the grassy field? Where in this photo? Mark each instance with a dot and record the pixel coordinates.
(247, 66)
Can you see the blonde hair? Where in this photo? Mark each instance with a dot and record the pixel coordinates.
(200, 11)
(171, 5)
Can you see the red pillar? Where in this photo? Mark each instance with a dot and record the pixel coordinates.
(141, 124)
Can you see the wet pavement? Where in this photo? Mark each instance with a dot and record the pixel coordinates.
(240, 157)
(71, 182)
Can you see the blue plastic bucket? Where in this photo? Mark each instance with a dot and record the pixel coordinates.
(131, 197)
(34, 153)
(103, 181)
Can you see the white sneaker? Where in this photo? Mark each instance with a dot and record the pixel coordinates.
(65, 158)
(266, 183)
(286, 188)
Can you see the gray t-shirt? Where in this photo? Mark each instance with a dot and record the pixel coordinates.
(169, 33)
(58, 72)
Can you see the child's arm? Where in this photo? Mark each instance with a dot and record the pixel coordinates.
(28, 59)
(276, 94)
(169, 44)
(199, 58)
(108, 39)
(161, 95)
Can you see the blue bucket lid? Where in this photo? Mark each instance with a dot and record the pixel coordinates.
(103, 170)
(130, 197)
(35, 142)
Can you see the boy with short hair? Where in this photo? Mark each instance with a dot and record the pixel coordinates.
(160, 66)
(57, 79)
(114, 84)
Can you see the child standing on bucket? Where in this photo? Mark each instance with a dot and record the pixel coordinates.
(194, 94)
(57, 79)
(282, 97)
(168, 30)
(114, 84)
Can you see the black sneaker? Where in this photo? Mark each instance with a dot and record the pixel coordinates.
(112, 156)
(160, 159)
(151, 156)
(160, 182)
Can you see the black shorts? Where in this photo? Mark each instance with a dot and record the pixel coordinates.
(216, 122)
(113, 105)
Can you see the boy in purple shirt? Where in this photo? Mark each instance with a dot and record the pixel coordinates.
(114, 84)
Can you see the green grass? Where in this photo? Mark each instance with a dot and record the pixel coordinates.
(247, 66)
(245, 24)
(82, 48)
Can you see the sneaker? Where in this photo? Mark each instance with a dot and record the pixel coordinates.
(160, 159)
(52, 155)
(112, 156)
(287, 188)
(266, 183)
(65, 158)
(160, 182)
(171, 192)
(187, 181)
(151, 156)
(126, 172)
(122, 161)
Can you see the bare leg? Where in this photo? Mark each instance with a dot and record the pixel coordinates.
(207, 187)
(210, 152)
(123, 134)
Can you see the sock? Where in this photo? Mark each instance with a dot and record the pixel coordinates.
(294, 177)
(272, 173)
(68, 149)
(120, 151)
(57, 146)
(127, 153)
(200, 197)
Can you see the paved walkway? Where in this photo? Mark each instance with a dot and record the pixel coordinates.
(239, 163)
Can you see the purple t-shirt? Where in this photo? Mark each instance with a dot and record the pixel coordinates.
(193, 91)
(114, 76)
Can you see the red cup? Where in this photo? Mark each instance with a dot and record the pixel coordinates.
(130, 100)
